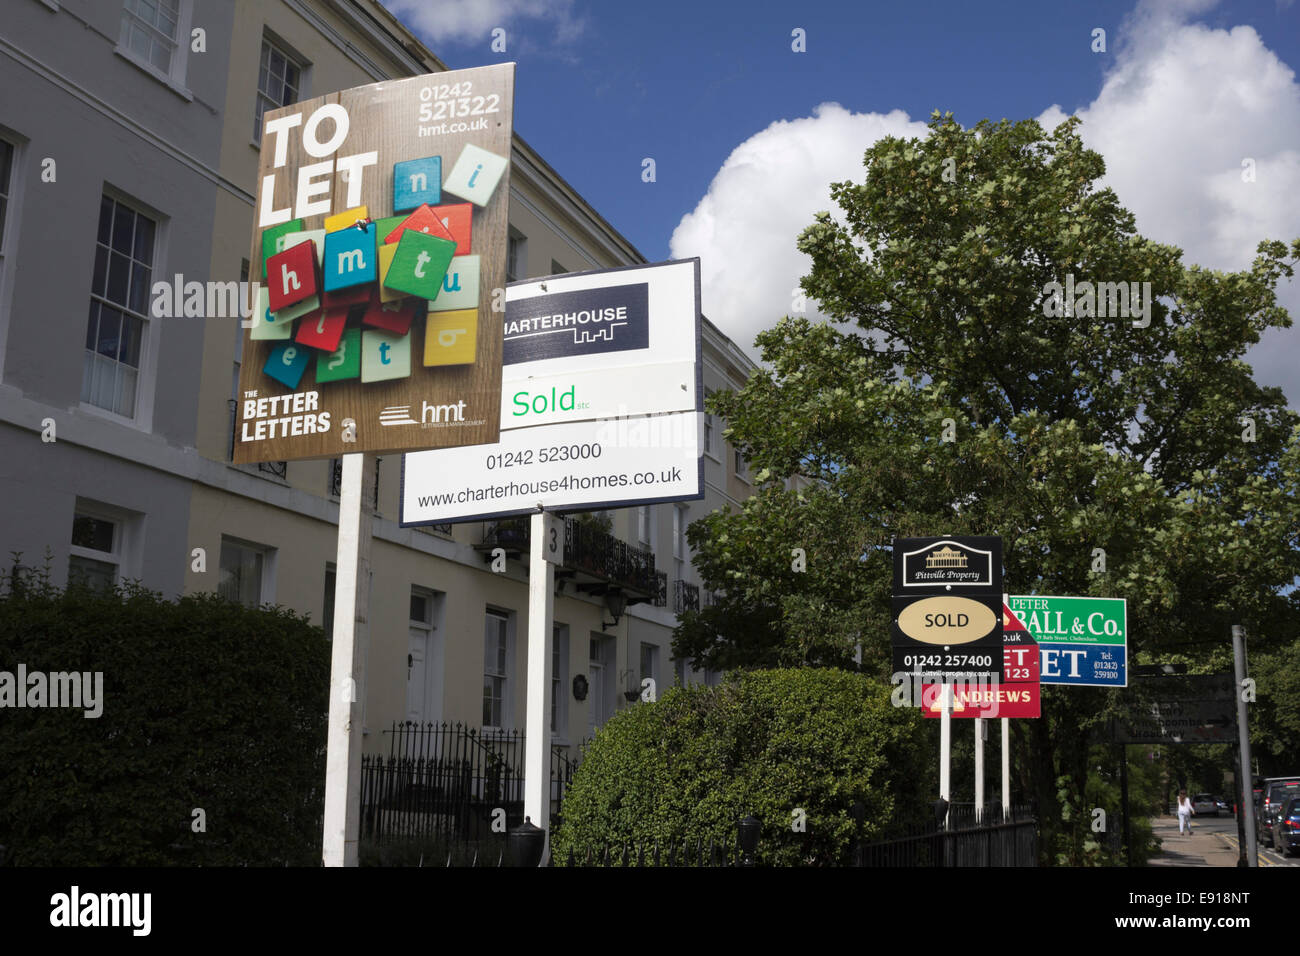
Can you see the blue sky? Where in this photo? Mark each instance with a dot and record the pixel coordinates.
(745, 145)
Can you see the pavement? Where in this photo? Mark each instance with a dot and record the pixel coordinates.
(1206, 845)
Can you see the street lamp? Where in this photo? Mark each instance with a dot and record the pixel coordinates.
(616, 601)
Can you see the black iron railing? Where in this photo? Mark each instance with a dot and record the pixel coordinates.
(592, 551)
(992, 841)
(450, 782)
(686, 597)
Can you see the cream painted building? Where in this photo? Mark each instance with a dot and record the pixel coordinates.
(156, 147)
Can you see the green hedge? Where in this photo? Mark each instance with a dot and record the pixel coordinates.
(206, 704)
(766, 743)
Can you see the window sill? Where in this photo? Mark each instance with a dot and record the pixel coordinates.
(153, 71)
(114, 417)
(52, 5)
(713, 458)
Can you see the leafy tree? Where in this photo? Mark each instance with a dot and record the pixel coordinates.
(954, 393)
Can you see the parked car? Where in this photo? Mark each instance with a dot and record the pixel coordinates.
(1275, 789)
(1204, 804)
(1286, 827)
(1223, 805)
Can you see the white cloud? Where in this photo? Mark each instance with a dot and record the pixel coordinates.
(765, 194)
(1181, 108)
(469, 20)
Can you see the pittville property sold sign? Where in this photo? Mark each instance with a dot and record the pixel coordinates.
(379, 239)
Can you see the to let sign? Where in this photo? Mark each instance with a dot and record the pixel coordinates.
(380, 241)
(1081, 640)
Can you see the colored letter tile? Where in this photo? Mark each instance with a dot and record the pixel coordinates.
(286, 363)
(395, 317)
(344, 362)
(291, 276)
(273, 240)
(347, 217)
(450, 338)
(386, 227)
(459, 286)
(384, 356)
(422, 220)
(304, 309)
(315, 236)
(420, 264)
(458, 218)
(475, 174)
(350, 257)
(266, 324)
(323, 330)
(386, 253)
(416, 182)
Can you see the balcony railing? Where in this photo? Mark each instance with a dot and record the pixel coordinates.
(686, 597)
(594, 557)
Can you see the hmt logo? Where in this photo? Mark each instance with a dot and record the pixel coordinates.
(434, 414)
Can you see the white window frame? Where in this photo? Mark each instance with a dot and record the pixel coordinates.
(150, 337)
(12, 220)
(645, 527)
(709, 431)
(127, 530)
(507, 684)
(291, 56)
(559, 683)
(681, 547)
(654, 664)
(174, 77)
(516, 255)
(739, 467)
(266, 587)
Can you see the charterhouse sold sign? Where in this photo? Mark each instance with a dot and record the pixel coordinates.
(380, 240)
(600, 405)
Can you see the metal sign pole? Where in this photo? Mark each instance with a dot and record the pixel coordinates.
(1006, 768)
(945, 746)
(1243, 732)
(348, 666)
(546, 548)
(979, 769)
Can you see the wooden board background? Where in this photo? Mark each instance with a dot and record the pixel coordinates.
(385, 117)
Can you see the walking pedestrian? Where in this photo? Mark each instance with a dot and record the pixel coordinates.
(1185, 812)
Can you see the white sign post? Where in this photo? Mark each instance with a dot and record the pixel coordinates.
(544, 543)
(945, 747)
(979, 769)
(348, 666)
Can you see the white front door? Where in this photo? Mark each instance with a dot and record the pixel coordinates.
(424, 676)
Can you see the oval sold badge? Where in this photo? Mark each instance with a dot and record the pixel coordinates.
(946, 620)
